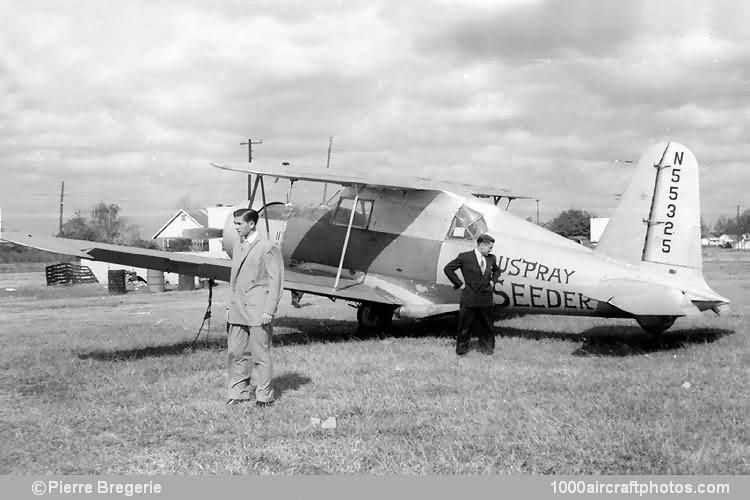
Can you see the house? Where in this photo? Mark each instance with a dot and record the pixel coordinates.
(744, 242)
(712, 240)
(596, 228)
(171, 238)
(728, 240)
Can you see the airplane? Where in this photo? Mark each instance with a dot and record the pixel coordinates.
(382, 242)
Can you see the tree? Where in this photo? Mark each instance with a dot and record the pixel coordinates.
(78, 228)
(105, 225)
(730, 225)
(105, 219)
(572, 222)
(130, 235)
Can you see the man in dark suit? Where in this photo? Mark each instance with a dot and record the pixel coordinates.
(255, 285)
(479, 270)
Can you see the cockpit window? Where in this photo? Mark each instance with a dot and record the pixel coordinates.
(467, 224)
(362, 213)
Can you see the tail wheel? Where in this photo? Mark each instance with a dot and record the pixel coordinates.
(655, 324)
(374, 316)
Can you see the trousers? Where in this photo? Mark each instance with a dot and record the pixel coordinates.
(249, 362)
(475, 319)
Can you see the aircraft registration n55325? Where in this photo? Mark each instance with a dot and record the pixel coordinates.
(382, 243)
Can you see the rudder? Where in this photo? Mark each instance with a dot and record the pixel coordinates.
(658, 219)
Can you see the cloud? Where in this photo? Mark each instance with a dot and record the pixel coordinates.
(134, 100)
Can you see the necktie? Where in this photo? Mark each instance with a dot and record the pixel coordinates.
(483, 264)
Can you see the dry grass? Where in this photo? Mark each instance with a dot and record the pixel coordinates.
(92, 383)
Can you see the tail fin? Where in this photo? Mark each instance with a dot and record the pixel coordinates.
(658, 219)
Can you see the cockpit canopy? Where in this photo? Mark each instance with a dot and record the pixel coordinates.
(467, 224)
(362, 212)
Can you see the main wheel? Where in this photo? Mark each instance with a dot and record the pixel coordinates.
(372, 316)
(655, 324)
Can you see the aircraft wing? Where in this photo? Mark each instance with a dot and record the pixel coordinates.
(377, 179)
(193, 265)
(197, 265)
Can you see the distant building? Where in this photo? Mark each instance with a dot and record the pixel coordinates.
(728, 240)
(171, 235)
(596, 227)
(712, 240)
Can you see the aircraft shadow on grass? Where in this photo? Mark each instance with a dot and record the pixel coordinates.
(615, 340)
(619, 341)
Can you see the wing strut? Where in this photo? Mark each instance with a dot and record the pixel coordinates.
(252, 193)
(265, 212)
(259, 180)
(346, 240)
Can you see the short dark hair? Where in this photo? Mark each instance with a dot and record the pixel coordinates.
(485, 238)
(247, 214)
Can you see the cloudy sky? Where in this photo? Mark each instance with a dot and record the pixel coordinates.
(128, 102)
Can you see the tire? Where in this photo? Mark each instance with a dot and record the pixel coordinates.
(655, 324)
(374, 317)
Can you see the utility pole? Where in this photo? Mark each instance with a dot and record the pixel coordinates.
(62, 195)
(328, 164)
(739, 231)
(249, 145)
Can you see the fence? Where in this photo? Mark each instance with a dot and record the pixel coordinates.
(68, 274)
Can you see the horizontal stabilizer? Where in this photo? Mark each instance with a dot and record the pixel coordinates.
(641, 298)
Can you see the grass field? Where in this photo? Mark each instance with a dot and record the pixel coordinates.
(92, 383)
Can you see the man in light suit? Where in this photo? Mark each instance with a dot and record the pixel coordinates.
(479, 269)
(256, 284)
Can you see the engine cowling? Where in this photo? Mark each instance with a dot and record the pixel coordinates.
(230, 237)
(277, 213)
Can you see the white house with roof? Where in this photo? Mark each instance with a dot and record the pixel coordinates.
(596, 227)
(171, 235)
(728, 240)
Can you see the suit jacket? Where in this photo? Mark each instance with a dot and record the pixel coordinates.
(256, 282)
(478, 291)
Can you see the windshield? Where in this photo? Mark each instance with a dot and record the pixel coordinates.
(362, 213)
(467, 224)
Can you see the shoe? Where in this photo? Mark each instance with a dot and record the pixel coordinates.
(235, 402)
(263, 404)
(461, 352)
